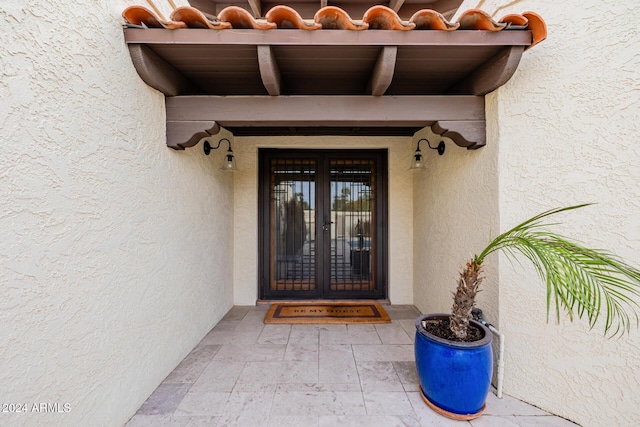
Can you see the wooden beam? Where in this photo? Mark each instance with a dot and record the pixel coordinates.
(471, 134)
(158, 74)
(383, 71)
(492, 74)
(395, 5)
(195, 36)
(323, 3)
(350, 111)
(182, 134)
(269, 70)
(191, 118)
(256, 8)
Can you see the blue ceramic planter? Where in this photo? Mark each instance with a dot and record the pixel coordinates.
(454, 376)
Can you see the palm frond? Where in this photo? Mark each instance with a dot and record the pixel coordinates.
(585, 282)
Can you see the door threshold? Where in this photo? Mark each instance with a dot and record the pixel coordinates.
(312, 301)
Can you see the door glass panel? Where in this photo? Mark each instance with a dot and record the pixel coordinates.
(352, 214)
(292, 213)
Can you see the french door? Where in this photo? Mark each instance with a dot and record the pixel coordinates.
(323, 222)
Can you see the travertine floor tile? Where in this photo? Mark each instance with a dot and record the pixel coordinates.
(392, 333)
(203, 403)
(192, 366)
(218, 376)
(378, 376)
(240, 352)
(274, 334)
(337, 365)
(387, 403)
(294, 421)
(279, 372)
(384, 353)
(318, 403)
(164, 400)
(408, 375)
(247, 409)
(352, 336)
(244, 373)
(369, 421)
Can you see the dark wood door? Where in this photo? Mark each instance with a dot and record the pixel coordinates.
(323, 219)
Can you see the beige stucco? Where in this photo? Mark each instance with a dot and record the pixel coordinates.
(570, 138)
(118, 254)
(562, 131)
(400, 208)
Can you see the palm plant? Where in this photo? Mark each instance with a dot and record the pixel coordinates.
(581, 280)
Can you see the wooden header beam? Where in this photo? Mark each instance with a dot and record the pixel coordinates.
(462, 118)
(194, 36)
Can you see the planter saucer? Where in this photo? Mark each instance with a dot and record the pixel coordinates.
(452, 415)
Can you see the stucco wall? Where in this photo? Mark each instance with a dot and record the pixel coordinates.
(455, 213)
(400, 209)
(112, 265)
(564, 130)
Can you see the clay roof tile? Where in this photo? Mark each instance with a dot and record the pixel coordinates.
(196, 19)
(334, 18)
(286, 17)
(383, 18)
(241, 18)
(476, 19)
(427, 19)
(141, 16)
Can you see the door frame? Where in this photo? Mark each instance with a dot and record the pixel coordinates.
(382, 254)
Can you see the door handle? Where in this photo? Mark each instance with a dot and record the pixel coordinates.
(326, 225)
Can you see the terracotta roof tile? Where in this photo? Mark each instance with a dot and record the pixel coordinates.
(334, 18)
(241, 18)
(141, 16)
(196, 19)
(288, 18)
(476, 19)
(514, 19)
(383, 18)
(331, 17)
(537, 26)
(427, 19)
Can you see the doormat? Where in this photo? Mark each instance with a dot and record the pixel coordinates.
(326, 312)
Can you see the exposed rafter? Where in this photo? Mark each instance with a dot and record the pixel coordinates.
(256, 8)
(492, 74)
(269, 70)
(157, 73)
(396, 4)
(383, 70)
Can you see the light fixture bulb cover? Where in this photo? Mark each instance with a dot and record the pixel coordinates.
(229, 163)
(418, 162)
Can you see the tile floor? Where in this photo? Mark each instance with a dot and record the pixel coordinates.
(245, 373)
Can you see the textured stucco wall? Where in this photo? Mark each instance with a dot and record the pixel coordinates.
(455, 213)
(112, 265)
(400, 208)
(563, 130)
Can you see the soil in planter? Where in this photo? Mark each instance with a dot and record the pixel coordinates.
(440, 328)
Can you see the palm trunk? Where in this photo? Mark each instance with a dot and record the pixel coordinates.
(465, 298)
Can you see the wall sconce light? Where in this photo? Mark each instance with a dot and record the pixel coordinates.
(229, 163)
(418, 162)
